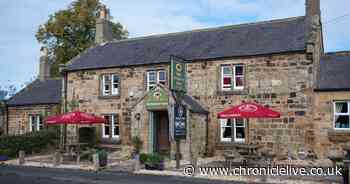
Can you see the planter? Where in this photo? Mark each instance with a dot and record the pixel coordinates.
(3, 158)
(103, 162)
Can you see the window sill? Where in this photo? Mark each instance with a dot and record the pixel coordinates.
(339, 135)
(109, 97)
(234, 92)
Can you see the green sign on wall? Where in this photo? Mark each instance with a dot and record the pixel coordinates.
(157, 99)
(178, 74)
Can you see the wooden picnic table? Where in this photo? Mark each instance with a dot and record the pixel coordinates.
(249, 152)
(73, 149)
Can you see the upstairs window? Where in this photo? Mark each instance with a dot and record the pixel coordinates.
(341, 115)
(232, 77)
(110, 85)
(110, 128)
(35, 123)
(154, 78)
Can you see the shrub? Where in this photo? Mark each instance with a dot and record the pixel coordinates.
(87, 135)
(154, 159)
(103, 156)
(31, 142)
(137, 143)
(143, 158)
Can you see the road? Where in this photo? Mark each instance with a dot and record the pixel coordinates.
(30, 175)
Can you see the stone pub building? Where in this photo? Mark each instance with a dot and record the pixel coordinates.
(279, 63)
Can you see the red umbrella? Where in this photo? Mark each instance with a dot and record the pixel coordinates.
(76, 117)
(249, 110)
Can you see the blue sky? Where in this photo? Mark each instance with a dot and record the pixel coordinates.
(19, 50)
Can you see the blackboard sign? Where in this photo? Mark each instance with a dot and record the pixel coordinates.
(179, 121)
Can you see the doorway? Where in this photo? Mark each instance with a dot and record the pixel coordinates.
(161, 132)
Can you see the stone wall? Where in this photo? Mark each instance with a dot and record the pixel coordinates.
(18, 117)
(327, 138)
(282, 81)
(3, 114)
(84, 87)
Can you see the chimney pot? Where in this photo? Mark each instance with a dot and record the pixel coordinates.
(44, 65)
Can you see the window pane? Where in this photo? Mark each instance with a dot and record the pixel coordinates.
(227, 80)
(239, 123)
(116, 130)
(227, 70)
(106, 78)
(41, 125)
(227, 132)
(240, 134)
(341, 107)
(239, 81)
(239, 70)
(115, 79)
(151, 76)
(342, 122)
(106, 126)
(161, 76)
(228, 123)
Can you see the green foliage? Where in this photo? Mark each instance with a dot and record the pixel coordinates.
(87, 135)
(31, 142)
(102, 154)
(137, 143)
(143, 158)
(154, 159)
(70, 31)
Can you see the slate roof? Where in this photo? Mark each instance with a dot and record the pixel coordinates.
(194, 105)
(334, 72)
(277, 36)
(38, 92)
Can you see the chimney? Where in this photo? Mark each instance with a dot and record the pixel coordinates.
(313, 8)
(44, 66)
(103, 29)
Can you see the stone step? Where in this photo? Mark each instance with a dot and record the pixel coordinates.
(110, 147)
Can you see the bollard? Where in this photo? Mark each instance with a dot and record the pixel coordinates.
(137, 165)
(21, 159)
(345, 171)
(96, 161)
(194, 163)
(57, 159)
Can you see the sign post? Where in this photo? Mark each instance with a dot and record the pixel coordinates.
(178, 86)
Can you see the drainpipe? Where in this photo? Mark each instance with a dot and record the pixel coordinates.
(7, 119)
(207, 135)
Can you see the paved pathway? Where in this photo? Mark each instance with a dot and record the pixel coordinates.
(30, 175)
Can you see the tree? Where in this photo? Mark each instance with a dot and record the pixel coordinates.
(69, 32)
(7, 92)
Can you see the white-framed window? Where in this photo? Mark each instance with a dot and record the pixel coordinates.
(110, 128)
(156, 77)
(232, 77)
(35, 122)
(232, 129)
(342, 115)
(110, 85)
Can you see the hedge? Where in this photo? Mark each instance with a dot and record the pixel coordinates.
(31, 142)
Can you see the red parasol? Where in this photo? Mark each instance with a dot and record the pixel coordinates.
(249, 110)
(76, 117)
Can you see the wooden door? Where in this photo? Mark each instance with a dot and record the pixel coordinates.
(163, 132)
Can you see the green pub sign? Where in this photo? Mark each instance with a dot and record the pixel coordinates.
(178, 74)
(157, 99)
